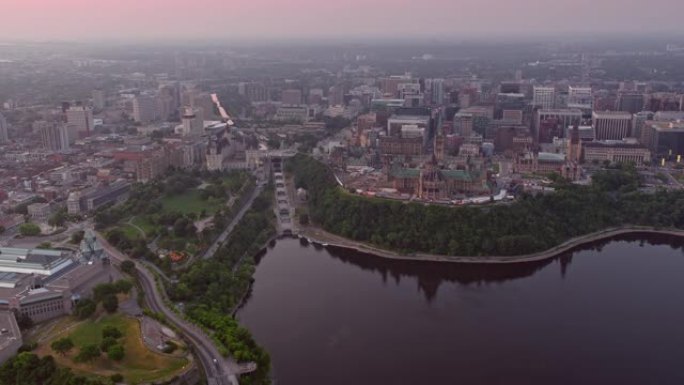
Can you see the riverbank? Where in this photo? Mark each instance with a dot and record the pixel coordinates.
(321, 236)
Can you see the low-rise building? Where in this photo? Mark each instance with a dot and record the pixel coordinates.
(616, 151)
(39, 212)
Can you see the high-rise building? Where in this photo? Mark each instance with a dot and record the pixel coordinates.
(145, 109)
(463, 124)
(611, 125)
(193, 122)
(4, 136)
(99, 99)
(543, 97)
(80, 121)
(438, 91)
(580, 97)
(335, 96)
(55, 137)
(563, 118)
(291, 97)
(632, 102)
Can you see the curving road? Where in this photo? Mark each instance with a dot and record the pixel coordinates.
(220, 372)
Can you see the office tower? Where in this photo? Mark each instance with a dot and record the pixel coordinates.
(580, 97)
(145, 109)
(99, 99)
(632, 102)
(438, 91)
(564, 119)
(640, 118)
(543, 97)
(611, 125)
(463, 124)
(80, 121)
(55, 137)
(4, 137)
(508, 102)
(193, 123)
(335, 96)
(291, 97)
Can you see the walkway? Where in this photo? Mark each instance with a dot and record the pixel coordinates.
(322, 236)
(211, 250)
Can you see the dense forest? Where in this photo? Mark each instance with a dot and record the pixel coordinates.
(533, 223)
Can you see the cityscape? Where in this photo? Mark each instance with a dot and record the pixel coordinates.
(302, 203)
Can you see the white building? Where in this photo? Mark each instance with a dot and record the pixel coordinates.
(55, 137)
(580, 97)
(145, 109)
(80, 121)
(544, 97)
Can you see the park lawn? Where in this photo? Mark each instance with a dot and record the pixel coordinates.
(189, 202)
(144, 223)
(139, 364)
(131, 232)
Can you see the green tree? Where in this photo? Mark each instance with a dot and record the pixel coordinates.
(116, 378)
(110, 303)
(62, 345)
(29, 229)
(116, 352)
(112, 332)
(107, 342)
(44, 245)
(87, 353)
(85, 308)
(128, 267)
(77, 237)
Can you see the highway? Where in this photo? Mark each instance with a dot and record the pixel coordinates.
(222, 372)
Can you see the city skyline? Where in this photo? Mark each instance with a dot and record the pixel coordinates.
(145, 20)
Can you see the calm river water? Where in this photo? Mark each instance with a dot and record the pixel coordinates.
(609, 313)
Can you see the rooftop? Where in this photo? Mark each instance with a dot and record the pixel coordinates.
(36, 261)
(612, 115)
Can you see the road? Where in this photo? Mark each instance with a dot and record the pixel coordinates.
(224, 235)
(222, 372)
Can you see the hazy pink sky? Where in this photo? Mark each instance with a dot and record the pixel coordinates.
(190, 19)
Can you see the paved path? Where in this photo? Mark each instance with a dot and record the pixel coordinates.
(222, 372)
(211, 250)
(322, 236)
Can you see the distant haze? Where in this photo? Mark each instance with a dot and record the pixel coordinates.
(90, 20)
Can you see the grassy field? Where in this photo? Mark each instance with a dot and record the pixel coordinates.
(139, 364)
(131, 232)
(144, 224)
(190, 202)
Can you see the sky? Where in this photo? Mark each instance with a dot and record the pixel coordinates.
(141, 20)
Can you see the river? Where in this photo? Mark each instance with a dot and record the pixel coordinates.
(608, 313)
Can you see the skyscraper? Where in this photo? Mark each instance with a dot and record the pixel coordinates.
(611, 125)
(99, 99)
(544, 97)
(291, 97)
(3, 130)
(80, 121)
(145, 109)
(55, 137)
(438, 91)
(580, 97)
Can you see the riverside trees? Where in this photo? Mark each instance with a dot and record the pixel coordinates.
(532, 223)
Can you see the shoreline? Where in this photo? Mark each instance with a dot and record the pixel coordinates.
(320, 236)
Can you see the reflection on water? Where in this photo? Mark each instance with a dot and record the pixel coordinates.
(608, 312)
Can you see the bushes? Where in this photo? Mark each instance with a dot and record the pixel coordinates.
(85, 308)
(29, 229)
